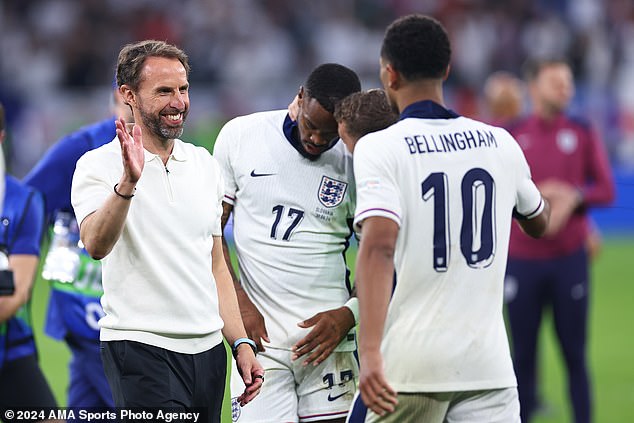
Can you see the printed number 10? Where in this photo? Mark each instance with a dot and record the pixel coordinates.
(476, 183)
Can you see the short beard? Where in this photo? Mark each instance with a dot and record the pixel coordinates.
(162, 132)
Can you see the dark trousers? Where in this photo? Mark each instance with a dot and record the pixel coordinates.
(22, 384)
(145, 376)
(561, 283)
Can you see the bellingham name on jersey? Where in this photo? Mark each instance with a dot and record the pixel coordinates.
(447, 143)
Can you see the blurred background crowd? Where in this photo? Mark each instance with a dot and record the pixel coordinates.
(57, 56)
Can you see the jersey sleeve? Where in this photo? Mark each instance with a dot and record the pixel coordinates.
(225, 150)
(528, 200)
(377, 190)
(29, 235)
(89, 190)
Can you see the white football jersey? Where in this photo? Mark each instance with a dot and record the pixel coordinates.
(451, 184)
(292, 221)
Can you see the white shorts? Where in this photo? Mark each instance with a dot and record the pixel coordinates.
(486, 406)
(295, 393)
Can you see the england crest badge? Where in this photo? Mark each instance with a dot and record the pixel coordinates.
(331, 191)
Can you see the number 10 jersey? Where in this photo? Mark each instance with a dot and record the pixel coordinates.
(451, 184)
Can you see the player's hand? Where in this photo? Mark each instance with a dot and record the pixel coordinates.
(564, 200)
(376, 392)
(293, 108)
(329, 328)
(252, 373)
(132, 152)
(253, 321)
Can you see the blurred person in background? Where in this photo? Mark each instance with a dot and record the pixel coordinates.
(74, 306)
(503, 96)
(149, 206)
(569, 163)
(22, 383)
(289, 186)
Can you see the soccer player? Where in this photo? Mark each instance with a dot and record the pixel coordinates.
(436, 193)
(570, 166)
(361, 113)
(22, 383)
(289, 186)
(149, 205)
(74, 308)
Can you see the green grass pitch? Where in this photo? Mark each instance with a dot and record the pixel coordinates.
(610, 339)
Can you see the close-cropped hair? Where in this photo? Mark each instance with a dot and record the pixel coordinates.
(417, 46)
(364, 112)
(532, 67)
(132, 57)
(330, 83)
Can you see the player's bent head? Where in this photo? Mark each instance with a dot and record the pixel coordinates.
(418, 47)
(361, 113)
(132, 58)
(329, 83)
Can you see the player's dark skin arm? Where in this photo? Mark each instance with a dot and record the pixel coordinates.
(251, 316)
(536, 227)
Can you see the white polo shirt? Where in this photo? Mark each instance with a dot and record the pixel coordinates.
(158, 285)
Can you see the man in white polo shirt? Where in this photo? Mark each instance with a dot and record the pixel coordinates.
(149, 205)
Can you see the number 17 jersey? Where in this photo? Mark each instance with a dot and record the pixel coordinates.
(292, 221)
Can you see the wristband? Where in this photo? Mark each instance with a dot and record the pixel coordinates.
(126, 197)
(240, 341)
(353, 305)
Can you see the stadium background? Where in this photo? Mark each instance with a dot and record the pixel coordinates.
(57, 63)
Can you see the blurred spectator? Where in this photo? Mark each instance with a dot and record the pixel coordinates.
(247, 52)
(569, 165)
(22, 383)
(503, 96)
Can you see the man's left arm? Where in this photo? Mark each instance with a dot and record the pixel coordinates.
(250, 369)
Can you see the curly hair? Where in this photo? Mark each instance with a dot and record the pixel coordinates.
(132, 57)
(364, 112)
(417, 46)
(330, 83)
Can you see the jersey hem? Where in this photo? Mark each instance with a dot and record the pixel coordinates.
(183, 345)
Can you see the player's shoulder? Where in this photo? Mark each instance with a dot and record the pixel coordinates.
(246, 122)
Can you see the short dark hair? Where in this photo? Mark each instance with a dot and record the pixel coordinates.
(364, 112)
(2, 117)
(532, 67)
(417, 46)
(132, 57)
(330, 83)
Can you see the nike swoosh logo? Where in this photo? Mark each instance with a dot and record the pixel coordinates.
(255, 175)
(331, 398)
